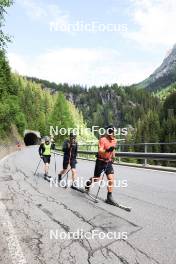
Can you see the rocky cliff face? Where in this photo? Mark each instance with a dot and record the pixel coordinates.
(96, 102)
(121, 106)
(163, 75)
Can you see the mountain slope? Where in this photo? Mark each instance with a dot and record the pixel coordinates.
(122, 106)
(164, 75)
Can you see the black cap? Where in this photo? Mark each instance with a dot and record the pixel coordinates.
(110, 129)
(72, 135)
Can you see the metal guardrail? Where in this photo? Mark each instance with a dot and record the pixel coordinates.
(138, 155)
(153, 156)
(90, 150)
(167, 157)
(135, 144)
(145, 154)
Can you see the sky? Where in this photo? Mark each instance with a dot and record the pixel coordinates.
(93, 42)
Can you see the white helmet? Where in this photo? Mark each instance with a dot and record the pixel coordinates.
(47, 139)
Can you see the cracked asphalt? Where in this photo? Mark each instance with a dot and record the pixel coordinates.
(30, 210)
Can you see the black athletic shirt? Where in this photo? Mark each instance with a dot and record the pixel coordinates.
(70, 152)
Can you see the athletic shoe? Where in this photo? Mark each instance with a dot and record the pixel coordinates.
(87, 187)
(74, 185)
(45, 176)
(59, 177)
(110, 200)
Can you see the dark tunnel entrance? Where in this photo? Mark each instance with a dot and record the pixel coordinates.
(31, 139)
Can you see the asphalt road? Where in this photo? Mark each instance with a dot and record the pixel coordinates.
(34, 215)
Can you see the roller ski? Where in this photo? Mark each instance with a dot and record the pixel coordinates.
(111, 201)
(85, 191)
(47, 177)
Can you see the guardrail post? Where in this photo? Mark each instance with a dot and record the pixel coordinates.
(145, 150)
(119, 151)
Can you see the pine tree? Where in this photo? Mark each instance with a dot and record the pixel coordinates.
(3, 37)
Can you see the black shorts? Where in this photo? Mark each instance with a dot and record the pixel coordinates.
(72, 164)
(46, 159)
(101, 166)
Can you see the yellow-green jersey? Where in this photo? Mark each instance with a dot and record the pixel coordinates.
(45, 149)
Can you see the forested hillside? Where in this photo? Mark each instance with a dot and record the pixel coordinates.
(35, 104)
(148, 118)
(164, 93)
(121, 106)
(26, 105)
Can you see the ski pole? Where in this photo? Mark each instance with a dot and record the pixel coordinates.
(102, 180)
(37, 166)
(68, 170)
(66, 174)
(55, 163)
(96, 197)
(66, 185)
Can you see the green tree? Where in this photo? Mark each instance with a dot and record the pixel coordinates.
(60, 116)
(5, 76)
(3, 37)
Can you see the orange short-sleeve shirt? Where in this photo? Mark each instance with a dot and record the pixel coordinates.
(105, 143)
